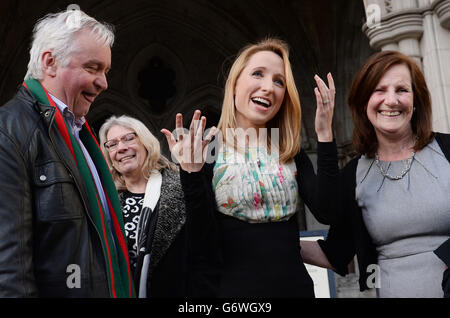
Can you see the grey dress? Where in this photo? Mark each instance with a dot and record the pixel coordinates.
(407, 219)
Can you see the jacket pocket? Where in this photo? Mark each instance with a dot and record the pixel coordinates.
(56, 195)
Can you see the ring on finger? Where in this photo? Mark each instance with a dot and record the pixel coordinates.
(326, 102)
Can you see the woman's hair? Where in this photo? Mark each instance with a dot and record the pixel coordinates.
(56, 32)
(365, 82)
(288, 118)
(154, 159)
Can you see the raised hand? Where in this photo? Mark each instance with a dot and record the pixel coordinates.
(189, 147)
(325, 108)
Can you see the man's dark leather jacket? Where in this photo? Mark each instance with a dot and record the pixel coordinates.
(49, 246)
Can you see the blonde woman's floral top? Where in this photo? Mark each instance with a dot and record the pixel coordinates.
(254, 187)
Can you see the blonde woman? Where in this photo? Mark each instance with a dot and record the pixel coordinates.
(241, 209)
(153, 207)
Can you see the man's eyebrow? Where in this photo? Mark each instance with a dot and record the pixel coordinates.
(93, 61)
(98, 62)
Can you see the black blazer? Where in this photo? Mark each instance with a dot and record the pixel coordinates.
(443, 252)
(349, 236)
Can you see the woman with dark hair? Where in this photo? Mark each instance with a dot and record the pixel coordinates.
(395, 196)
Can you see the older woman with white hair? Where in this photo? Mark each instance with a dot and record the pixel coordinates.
(152, 204)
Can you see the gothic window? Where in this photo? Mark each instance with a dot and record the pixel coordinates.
(157, 84)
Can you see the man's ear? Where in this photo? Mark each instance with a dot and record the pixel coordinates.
(49, 64)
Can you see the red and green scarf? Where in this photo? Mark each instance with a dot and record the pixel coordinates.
(113, 241)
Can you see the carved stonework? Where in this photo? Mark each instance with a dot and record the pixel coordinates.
(442, 9)
(388, 6)
(394, 28)
(396, 25)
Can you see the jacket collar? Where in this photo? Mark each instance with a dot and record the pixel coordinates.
(47, 114)
(171, 216)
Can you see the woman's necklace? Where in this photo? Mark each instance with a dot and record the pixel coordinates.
(405, 170)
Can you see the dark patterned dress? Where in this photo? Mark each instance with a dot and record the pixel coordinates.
(131, 209)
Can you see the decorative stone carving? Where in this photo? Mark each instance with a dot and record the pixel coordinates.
(442, 9)
(407, 23)
(395, 27)
(156, 78)
(388, 6)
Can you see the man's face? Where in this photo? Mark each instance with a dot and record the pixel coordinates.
(84, 78)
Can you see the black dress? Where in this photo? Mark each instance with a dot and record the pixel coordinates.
(233, 258)
(131, 209)
(262, 260)
(163, 237)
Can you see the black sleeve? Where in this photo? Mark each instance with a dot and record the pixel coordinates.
(16, 235)
(443, 252)
(339, 247)
(444, 142)
(319, 191)
(202, 232)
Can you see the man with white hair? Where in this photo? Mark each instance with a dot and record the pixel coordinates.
(61, 229)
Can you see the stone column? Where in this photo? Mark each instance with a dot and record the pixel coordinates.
(435, 47)
(400, 28)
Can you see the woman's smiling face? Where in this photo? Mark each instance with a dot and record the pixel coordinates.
(127, 157)
(390, 107)
(259, 90)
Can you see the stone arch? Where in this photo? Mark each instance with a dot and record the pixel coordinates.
(115, 103)
(324, 36)
(171, 62)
